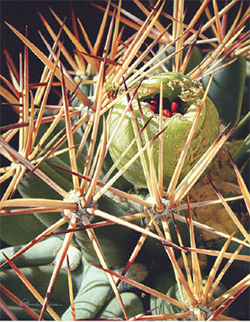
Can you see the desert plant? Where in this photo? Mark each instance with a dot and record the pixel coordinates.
(143, 223)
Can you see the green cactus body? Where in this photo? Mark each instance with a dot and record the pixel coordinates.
(22, 315)
(227, 89)
(162, 282)
(87, 89)
(34, 187)
(17, 230)
(92, 301)
(246, 95)
(36, 264)
(241, 156)
(112, 238)
(117, 242)
(121, 183)
(164, 307)
(132, 304)
(92, 296)
(238, 268)
(39, 277)
(152, 249)
(42, 253)
(188, 94)
(194, 60)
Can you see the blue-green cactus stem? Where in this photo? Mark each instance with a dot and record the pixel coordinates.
(151, 249)
(34, 187)
(20, 229)
(117, 242)
(132, 304)
(39, 277)
(92, 296)
(164, 307)
(227, 89)
(194, 60)
(42, 253)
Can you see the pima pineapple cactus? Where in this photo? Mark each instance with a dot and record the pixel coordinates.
(107, 174)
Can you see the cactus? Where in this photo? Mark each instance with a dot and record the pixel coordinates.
(110, 178)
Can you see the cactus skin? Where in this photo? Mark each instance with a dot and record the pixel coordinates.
(132, 304)
(87, 89)
(246, 95)
(238, 268)
(36, 265)
(121, 183)
(241, 156)
(43, 253)
(229, 101)
(46, 249)
(22, 315)
(113, 247)
(163, 307)
(88, 283)
(17, 230)
(178, 127)
(39, 277)
(35, 258)
(92, 302)
(194, 60)
(34, 187)
(151, 249)
(117, 242)
(93, 293)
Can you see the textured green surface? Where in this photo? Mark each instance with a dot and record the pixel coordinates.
(132, 304)
(227, 89)
(117, 242)
(194, 60)
(178, 128)
(39, 277)
(164, 307)
(92, 295)
(42, 253)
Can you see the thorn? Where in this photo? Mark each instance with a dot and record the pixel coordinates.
(126, 89)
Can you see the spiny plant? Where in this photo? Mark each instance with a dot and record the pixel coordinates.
(105, 174)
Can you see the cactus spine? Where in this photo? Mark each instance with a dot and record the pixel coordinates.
(113, 215)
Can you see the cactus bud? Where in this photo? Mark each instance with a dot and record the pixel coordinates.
(181, 101)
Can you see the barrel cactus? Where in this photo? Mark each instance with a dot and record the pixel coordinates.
(105, 184)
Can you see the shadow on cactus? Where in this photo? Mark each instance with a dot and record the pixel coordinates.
(104, 232)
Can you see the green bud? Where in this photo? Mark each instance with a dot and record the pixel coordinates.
(188, 95)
